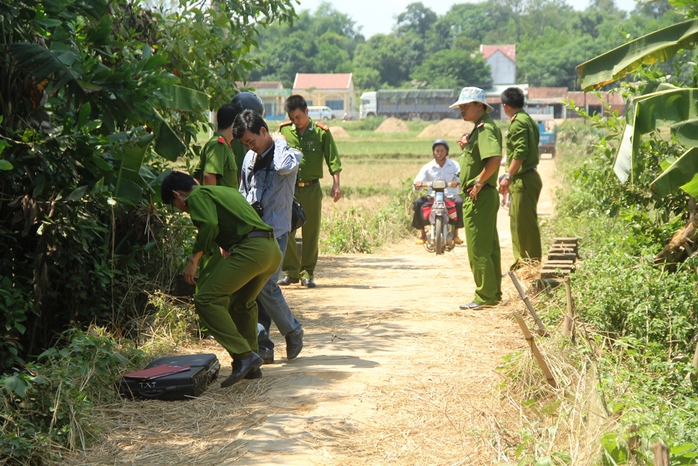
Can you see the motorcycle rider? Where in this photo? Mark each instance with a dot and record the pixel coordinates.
(441, 168)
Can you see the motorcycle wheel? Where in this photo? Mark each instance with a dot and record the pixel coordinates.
(439, 236)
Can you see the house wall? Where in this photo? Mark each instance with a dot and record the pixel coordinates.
(503, 69)
(344, 98)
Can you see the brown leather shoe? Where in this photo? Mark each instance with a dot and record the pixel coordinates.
(457, 240)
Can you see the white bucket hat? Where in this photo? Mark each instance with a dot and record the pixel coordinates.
(471, 94)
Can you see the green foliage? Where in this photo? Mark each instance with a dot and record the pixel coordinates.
(361, 230)
(90, 103)
(48, 406)
(636, 321)
(449, 69)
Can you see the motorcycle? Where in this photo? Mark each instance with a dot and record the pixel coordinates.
(441, 211)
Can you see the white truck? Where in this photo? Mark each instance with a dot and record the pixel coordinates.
(427, 104)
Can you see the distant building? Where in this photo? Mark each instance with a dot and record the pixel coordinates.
(546, 103)
(502, 61)
(595, 106)
(549, 103)
(335, 90)
(273, 94)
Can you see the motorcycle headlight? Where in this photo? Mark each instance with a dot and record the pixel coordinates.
(438, 184)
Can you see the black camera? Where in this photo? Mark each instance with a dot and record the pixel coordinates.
(258, 208)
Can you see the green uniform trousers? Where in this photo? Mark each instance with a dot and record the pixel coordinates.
(226, 303)
(525, 233)
(482, 239)
(310, 198)
(207, 264)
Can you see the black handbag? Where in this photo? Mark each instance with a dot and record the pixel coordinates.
(297, 215)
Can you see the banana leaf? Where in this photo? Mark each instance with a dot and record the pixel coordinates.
(42, 63)
(184, 99)
(670, 107)
(683, 174)
(167, 144)
(129, 184)
(686, 132)
(651, 48)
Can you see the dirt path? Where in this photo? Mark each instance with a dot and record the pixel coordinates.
(393, 372)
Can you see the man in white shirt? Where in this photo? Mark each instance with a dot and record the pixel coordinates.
(441, 168)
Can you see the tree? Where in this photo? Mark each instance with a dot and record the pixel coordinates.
(454, 69)
(659, 104)
(417, 19)
(390, 56)
(94, 94)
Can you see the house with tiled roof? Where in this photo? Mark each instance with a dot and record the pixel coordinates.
(335, 90)
(272, 93)
(609, 102)
(502, 61)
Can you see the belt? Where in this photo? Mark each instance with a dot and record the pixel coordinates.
(303, 184)
(530, 170)
(259, 234)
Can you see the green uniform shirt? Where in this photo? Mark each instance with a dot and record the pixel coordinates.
(315, 144)
(222, 215)
(217, 158)
(522, 141)
(239, 150)
(484, 141)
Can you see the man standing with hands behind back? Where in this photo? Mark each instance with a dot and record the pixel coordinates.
(521, 179)
(479, 165)
(316, 143)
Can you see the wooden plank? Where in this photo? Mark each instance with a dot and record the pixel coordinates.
(554, 273)
(566, 240)
(559, 262)
(562, 256)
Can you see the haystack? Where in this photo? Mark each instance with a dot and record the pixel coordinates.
(393, 125)
(339, 133)
(447, 128)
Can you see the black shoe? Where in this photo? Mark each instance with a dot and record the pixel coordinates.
(309, 282)
(267, 355)
(287, 281)
(294, 343)
(242, 367)
(255, 374)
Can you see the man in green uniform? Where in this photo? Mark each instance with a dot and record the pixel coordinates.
(315, 142)
(225, 303)
(217, 161)
(217, 167)
(521, 179)
(479, 164)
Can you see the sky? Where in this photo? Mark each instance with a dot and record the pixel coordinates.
(379, 16)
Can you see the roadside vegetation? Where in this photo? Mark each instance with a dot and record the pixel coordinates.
(626, 380)
(100, 98)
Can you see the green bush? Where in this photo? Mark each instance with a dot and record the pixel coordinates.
(47, 407)
(362, 230)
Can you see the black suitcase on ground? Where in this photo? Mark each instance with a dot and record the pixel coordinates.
(203, 370)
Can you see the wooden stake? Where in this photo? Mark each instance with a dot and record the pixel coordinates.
(541, 328)
(661, 454)
(568, 325)
(534, 349)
